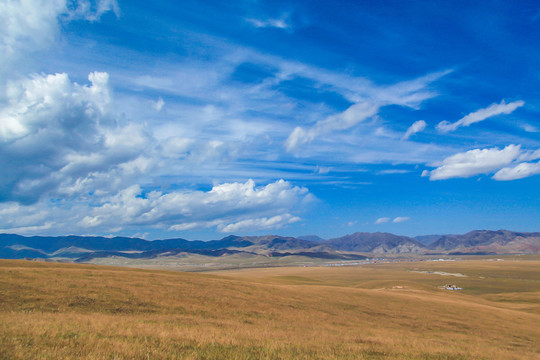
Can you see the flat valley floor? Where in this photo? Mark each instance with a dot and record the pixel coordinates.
(374, 311)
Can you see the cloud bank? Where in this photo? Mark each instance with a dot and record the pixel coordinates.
(228, 207)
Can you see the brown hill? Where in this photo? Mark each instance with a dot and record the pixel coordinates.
(380, 311)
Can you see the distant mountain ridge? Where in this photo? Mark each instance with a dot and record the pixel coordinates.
(377, 243)
(311, 238)
(352, 246)
(486, 241)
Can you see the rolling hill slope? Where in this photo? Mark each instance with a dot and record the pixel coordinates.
(381, 311)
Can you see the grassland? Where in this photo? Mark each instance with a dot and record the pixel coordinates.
(378, 311)
(198, 263)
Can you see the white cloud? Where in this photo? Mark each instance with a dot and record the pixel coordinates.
(158, 104)
(254, 116)
(393, 171)
(480, 115)
(396, 220)
(227, 206)
(101, 7)
(529, 155)
(408, 93)
(475, 162)
(274, 222)
(44, 100)
(416, 127)
(519, 171)
(354, 114)
(177, 147)
(322, 170)
(529, 128)
(510, 163)
(30, 25)
(282, 22)
(59, 137)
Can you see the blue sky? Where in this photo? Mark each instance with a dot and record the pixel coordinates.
(203, 119)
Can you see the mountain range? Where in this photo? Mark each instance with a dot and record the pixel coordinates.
(349, 247)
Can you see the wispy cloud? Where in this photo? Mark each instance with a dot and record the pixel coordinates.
(416, 127)
(158, 104)
(322, 170)
(409, 94)
(480, 115)
(393, 171)
(529, 128)
(282, 22)
(396, 220)
(241, 114)
(350, 117)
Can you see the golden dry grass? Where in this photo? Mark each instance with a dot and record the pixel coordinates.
(381, 311)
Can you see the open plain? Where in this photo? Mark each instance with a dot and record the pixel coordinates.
(375, 311)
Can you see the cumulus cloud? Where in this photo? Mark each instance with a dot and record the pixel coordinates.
(52, 101)
(57, 136)
(401, 219)
(475, 162)
(480, 115)
(382, 220)
(416, 127)
(30, 25)
(229, 207)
